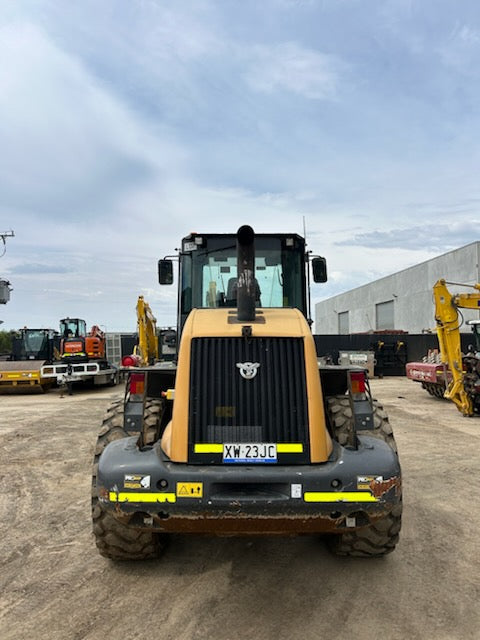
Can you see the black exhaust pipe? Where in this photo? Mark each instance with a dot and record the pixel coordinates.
(245, 274)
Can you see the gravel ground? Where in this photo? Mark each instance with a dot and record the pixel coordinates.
(54, 585)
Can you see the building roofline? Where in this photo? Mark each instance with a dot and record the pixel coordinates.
(415, 266)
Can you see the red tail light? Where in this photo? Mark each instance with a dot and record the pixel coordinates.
(137, 383)
(357, 382)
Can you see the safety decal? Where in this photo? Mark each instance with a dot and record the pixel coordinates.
(339, 496)
(296, 490)
(133, 496)
(365, 482)
(189, 489)
(136, 481)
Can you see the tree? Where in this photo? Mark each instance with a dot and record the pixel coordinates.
(6, 342)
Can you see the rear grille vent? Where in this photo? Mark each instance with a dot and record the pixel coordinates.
(270, 407)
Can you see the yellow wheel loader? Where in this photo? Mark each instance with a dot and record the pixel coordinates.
(244, 433)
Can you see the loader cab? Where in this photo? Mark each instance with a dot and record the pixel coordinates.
(208, 272)
(33, 344)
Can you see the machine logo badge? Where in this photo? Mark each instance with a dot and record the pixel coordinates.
(248, 370)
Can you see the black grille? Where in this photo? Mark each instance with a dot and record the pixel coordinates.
(271, 407)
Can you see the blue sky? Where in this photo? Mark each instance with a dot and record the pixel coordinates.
(126, 124)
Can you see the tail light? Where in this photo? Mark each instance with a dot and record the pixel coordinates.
(137, 383)
(357, 382)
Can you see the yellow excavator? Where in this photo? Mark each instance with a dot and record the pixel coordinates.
(464, 386)
(146, 351)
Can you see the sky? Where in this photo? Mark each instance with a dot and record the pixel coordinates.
(127, 124)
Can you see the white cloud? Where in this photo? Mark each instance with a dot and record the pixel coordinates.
(291, 67)
(123, 134)
(461, 51)
(64, 135)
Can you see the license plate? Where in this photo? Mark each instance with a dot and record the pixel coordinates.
(253, 452)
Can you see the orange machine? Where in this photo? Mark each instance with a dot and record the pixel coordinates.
(79, 346)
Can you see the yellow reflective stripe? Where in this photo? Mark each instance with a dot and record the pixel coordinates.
(293, 447)
(141, 497)
(339, 496)
(209, 448)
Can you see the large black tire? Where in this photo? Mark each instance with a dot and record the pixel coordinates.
(152, 420)
(373, 541)
(114, 539)
(380, 538)
(341, 421)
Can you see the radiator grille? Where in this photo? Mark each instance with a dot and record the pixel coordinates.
(271, 407)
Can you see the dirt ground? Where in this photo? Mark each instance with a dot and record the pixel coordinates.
(54, 585)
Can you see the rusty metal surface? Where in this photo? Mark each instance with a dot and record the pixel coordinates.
(247, 525)
(380, 488)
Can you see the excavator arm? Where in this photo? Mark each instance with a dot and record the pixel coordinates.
(147, 338)
(448, 332)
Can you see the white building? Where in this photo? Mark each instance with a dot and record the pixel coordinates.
(402, 301)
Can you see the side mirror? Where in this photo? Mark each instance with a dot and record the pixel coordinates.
(165, 272)
(319, 269)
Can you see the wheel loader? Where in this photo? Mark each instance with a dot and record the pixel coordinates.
(244, 433)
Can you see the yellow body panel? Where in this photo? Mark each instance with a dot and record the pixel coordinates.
(204, 323)
(15, 374)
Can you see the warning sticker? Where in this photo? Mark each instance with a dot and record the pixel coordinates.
(189, 489)
(366, 482)
(136, 481)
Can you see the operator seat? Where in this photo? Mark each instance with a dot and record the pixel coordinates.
(231, 297)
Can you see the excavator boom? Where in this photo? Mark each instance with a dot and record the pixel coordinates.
(448, 332)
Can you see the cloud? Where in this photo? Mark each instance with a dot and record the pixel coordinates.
(461, 51)
(293, 68)
(68, 147)
(431, 237)
(38, 268)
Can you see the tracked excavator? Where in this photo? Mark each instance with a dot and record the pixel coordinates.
(243, 433)
(78, 345)
(81, 356)
(456, 375)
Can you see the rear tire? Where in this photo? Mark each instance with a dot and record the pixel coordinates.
(341, 421)
(114, 539)
(152, 420)
(380, 538)
(374, 541)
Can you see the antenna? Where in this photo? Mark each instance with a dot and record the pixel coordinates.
(307, 267)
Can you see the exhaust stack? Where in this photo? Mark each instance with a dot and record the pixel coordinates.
(245, 274)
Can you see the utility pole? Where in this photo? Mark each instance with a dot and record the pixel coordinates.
(5, 284)
(4, 235)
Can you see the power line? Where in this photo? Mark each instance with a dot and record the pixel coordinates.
(4, 235)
